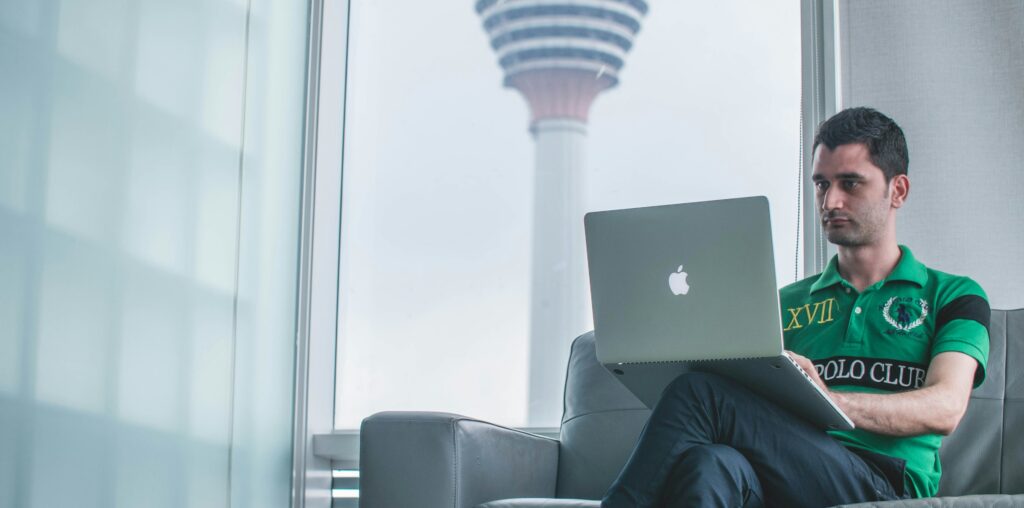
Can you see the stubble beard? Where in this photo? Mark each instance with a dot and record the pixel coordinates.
(851, 235)
(859, 231)
(862, 230)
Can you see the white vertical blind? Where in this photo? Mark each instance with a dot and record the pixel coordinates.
(950, 73)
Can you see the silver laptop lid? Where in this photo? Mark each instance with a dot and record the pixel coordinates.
(722, 303)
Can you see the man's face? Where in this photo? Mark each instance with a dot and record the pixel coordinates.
(853, 198)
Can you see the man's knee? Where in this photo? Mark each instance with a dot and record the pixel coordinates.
(715, 457)
(714, 475)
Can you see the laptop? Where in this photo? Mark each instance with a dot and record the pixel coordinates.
(692, 287)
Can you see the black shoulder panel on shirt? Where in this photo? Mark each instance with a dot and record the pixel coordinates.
(971, 307)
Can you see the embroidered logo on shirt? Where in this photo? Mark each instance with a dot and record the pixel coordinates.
(898, 312)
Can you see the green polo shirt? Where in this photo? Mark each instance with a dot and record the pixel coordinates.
(882, 341)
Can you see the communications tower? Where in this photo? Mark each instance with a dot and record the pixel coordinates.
(559, 54)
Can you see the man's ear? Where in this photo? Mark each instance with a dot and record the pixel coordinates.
(899, 189)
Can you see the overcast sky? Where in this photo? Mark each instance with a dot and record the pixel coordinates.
(438, 174)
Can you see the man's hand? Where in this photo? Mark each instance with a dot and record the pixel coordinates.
(808, 367)
(935, 408)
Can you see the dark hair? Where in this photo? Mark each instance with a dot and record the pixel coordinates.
(884, 139)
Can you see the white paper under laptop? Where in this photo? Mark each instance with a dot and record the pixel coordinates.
(692, 286)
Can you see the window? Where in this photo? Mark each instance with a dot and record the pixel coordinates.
(462, 277)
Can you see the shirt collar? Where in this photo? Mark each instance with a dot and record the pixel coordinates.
(829, 277)
(907, 269)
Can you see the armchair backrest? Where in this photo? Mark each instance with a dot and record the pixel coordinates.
(602, 420)
(985, 455)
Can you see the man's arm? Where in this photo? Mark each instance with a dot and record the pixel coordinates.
(935, 408)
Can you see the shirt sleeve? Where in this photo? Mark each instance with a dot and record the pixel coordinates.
(962, 324)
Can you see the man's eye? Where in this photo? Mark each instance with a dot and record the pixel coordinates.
(821, 185)
(850, 184)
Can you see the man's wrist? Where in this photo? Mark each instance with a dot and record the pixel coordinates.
(839, 398)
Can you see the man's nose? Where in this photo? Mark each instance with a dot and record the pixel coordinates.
(831, 200)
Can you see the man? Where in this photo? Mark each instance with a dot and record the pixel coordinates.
(898, 347)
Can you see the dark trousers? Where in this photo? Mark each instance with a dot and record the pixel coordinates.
(712, 442)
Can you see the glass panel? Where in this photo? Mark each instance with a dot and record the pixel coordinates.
(463, 278)
(121, 129)
(261, 456)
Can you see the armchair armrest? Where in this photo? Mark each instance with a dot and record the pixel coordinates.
(436, 460)
(972, 501)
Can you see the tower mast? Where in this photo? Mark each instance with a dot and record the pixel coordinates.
(559, 54)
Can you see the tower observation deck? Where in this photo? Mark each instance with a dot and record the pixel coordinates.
(559, 54)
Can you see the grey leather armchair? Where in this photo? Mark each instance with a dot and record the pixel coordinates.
(434, 460)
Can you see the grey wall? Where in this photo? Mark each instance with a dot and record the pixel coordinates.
(951, 73)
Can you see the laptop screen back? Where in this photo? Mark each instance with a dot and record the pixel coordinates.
(693, 281)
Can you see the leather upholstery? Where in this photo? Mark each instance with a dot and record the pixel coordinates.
(601, 422)
(982, 501)
(443, 460)
(1012, 479)
(542, 503)
(438, 459)
(978, 439)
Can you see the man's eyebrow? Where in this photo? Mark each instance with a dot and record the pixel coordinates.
(839, 176)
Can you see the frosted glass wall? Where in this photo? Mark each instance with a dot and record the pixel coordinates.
(148, 238)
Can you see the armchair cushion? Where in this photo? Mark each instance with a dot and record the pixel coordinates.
(541, 503)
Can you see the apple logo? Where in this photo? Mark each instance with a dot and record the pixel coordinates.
(677, 282)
